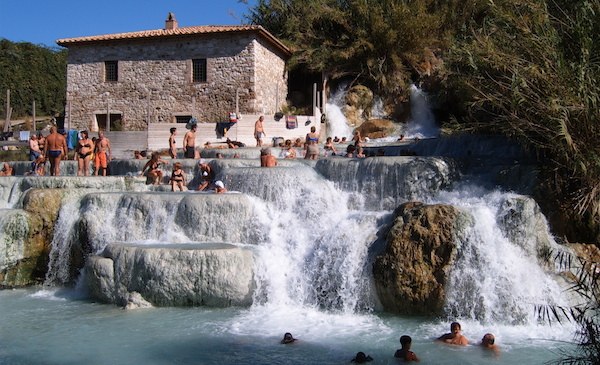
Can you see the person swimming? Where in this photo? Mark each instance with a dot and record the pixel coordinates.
(455, 336)
(288, 338)
(361, 358)
(405, 353)
(489, 342)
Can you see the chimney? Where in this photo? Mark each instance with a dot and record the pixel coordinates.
(171, 22)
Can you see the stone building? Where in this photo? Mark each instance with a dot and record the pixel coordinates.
(173, 74)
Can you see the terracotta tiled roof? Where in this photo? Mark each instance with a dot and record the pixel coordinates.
(183, 31)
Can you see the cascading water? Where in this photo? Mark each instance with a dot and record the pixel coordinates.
(312, 239)
(422, 124)
(312, 231)
(498, 277)
(316, 247)
(422, 121)
(337, 124)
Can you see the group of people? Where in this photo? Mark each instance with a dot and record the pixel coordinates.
(154, 175)
(53, 149)
(454, 337)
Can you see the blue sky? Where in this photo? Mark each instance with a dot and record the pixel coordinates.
(45, 21)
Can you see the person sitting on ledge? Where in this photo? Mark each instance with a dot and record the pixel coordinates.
(154, 174)
(220, 187)
(177, 177)
(455, 336)
(207, 174)
(7, 170)
(266, 158)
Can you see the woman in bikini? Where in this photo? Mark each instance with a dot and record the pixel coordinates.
(152, 166)
(177, 177)
(84, 150)
(312, 147)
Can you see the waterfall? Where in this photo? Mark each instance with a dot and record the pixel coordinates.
(422, 123)
(337, 123)
(315, 247)
(498, 275)
(312, 228)
(377, 110)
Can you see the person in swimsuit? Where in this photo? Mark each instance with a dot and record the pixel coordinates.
(189, 142)
(34, 148)
(220, 187)
(7, 170)
(455, 336)
(405, 353)
(177, 177)
(41, 141)
(102, 153)
(154, 173)
(207, 176)
(54, 148)
(288, 338)
(38, 167)
(488, 342)
(266, 158)
(259, 131)
(172, 148)
(312, 147)
(84, 150)
(330, 147)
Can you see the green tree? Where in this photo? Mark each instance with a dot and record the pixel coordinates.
(529, 70)
(378, 42)
(32, 72)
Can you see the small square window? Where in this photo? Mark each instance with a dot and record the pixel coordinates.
(182, 118)
(199, 70)
(111, 71)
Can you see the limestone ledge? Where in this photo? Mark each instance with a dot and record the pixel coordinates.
(210, 274)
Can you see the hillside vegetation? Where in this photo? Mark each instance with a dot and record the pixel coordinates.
(32, 72)
(525, 69)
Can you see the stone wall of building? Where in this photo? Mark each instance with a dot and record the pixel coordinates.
(155, 79)
(271, 79)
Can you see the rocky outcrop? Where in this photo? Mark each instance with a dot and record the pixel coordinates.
(216, 275)
(359, 100)
(377, 128)
(27, 236)
(521, 221)
(411, 274)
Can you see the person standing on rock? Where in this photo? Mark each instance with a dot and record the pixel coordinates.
(34, 148)
(102, 154)
(312, 147)
(189, 142)
(83, 153)
(172, 148)
(259, 131)
(55, 149)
